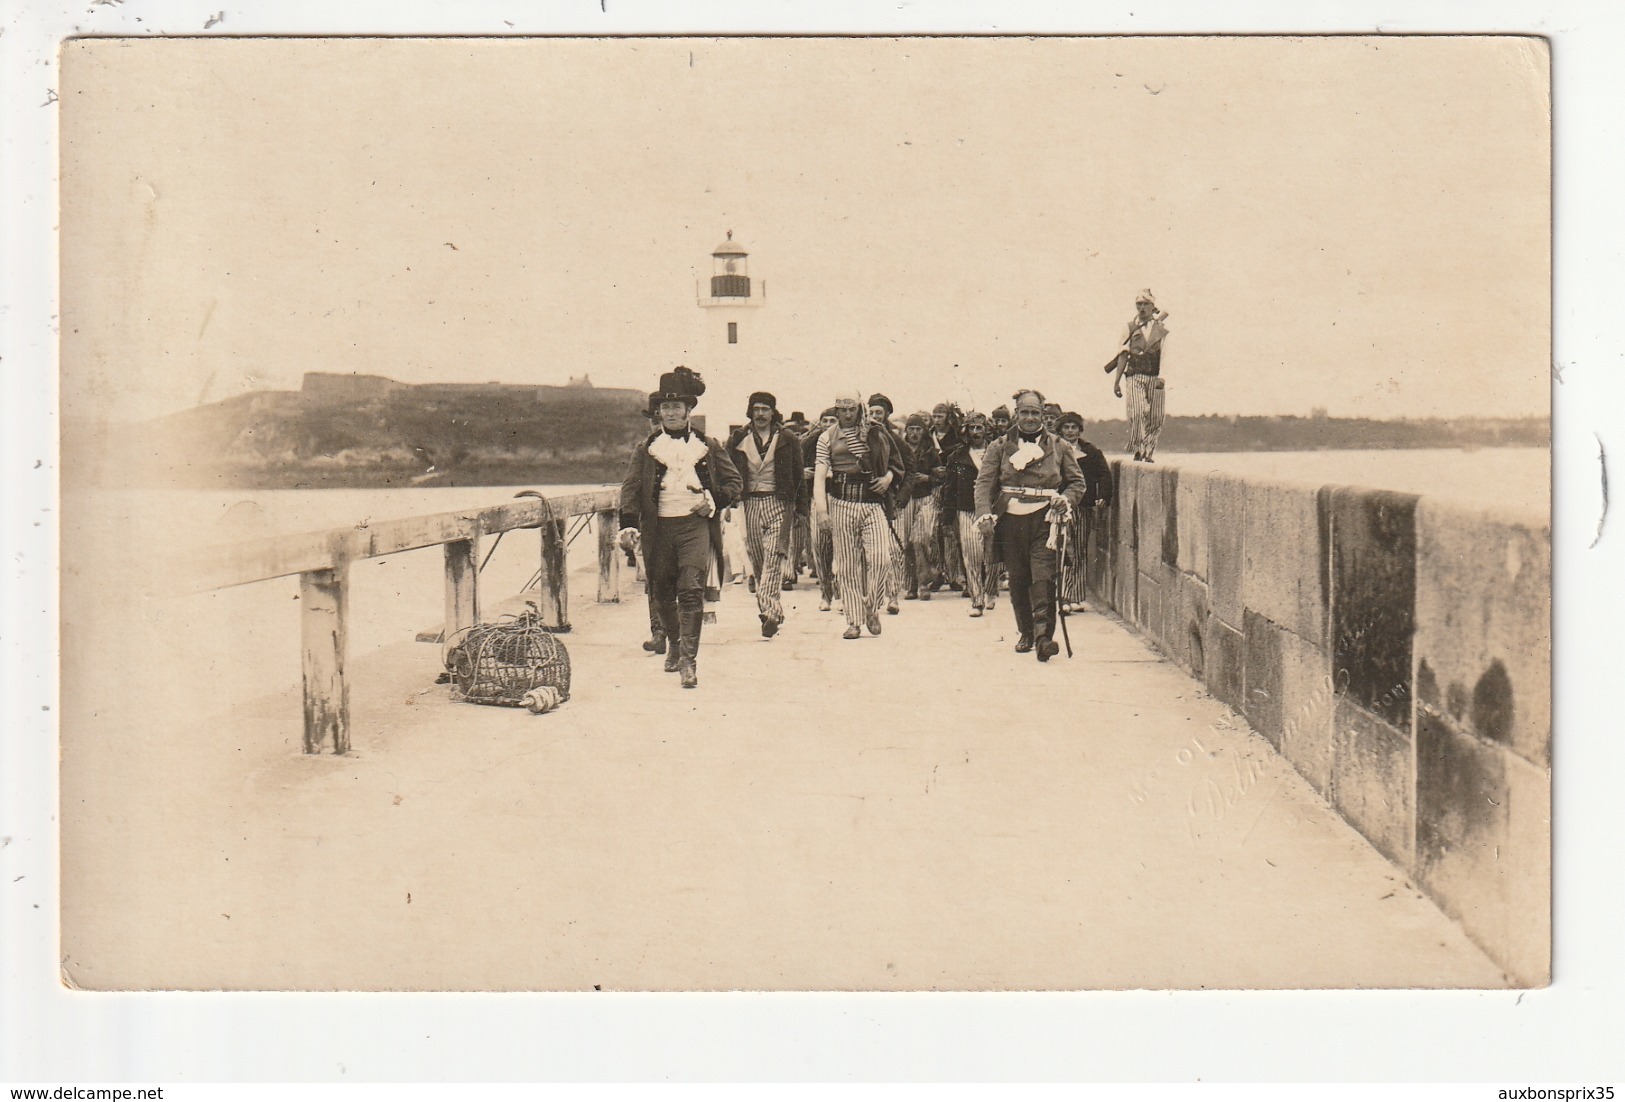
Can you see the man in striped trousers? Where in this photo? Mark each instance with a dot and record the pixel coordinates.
(1139, 364)
(855, 466)
(768, 458)
(880, 413)
(964, 463)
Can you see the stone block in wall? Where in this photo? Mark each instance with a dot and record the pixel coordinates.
(1152, 510)
(1282, 575)
(1185, 621)
(1224, 656)
(1169, 477)
(1148, 614)
(1124, 530)
(1374, 780)
(1190, 496)
(1462, 826)
(1289, 697)
(1261, 658)
(1097, 551)
(1528, 857)
(1483, 624)
(1226, 527)
(1372, 547)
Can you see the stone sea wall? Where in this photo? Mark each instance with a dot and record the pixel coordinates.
(1395, 649)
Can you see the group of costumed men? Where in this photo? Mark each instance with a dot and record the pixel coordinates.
(966, 501)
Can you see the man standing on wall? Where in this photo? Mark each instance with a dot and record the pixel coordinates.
(768, 459)
(1139, 362)
(676, 487)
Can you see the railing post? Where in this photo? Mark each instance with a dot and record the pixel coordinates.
(324, 598)
(462, 586)
(553, 586)
(609, 558)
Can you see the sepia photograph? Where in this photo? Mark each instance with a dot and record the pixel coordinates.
(838, 514)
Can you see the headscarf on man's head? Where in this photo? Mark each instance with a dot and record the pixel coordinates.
(1025, 392)
(1145, 296)
(857, 437)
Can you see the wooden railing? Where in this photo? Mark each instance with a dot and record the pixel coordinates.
(322, 561)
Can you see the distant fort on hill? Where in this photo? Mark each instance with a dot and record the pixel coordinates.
(362, 431)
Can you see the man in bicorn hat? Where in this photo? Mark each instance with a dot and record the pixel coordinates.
(768, 459)
(676, 487)
(1139, 365)
(1028, 485)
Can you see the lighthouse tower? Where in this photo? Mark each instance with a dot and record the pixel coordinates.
(732, 298)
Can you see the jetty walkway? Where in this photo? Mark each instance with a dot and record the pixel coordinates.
(922, 810)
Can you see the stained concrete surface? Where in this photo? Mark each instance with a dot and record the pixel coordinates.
(922, 810)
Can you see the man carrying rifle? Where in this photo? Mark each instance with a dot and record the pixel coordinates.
(1139, 362)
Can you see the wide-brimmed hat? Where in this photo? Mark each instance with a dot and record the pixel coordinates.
(677, 385)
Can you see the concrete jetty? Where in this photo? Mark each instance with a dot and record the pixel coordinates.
(925, 810)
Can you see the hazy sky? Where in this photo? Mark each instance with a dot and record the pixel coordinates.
(1360, 224)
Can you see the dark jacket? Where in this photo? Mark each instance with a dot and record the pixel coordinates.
(918, 467)
(1097, 475)
(789, 485)
(639, 508)
(1055, 470)
(959, 487)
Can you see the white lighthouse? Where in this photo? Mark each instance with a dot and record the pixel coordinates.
(731, 300)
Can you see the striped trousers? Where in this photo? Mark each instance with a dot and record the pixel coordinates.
(767, 538)
(895, 565)
(862, 557)
(921, 566)
(801, 556)
(1074, 572)
(950, 554)
(977, 548)
(1145, 412)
